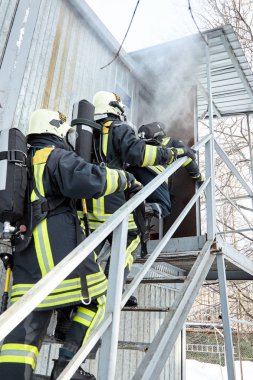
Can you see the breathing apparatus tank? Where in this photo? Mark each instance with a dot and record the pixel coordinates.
(83, 120)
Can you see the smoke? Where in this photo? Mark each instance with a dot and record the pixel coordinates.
(171, 70)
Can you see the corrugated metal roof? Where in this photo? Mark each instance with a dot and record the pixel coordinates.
(231, 75)
(184, 61)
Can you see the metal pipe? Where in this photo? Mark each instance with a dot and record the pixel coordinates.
(108, 352)
(225, 318)
(250, 150)
(232, 168)
(209, 158)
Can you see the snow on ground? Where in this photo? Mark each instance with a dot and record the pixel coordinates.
(196, 370)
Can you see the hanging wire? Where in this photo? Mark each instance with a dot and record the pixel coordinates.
(190, 9)
(117, 54)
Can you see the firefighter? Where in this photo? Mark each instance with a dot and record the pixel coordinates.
(159, 202)
(117, 147)
(59, 176)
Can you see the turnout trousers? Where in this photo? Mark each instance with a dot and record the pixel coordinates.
(21, 347)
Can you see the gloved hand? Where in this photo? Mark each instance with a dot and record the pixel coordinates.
(153, 209)
(133, 186)
(199, 180)
(182, 152)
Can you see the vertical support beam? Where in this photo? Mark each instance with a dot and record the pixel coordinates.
(108, 352)
(15, 57)
(209, 158)
(183, 353)
(196, 139)
(250, 150)
(225, 318)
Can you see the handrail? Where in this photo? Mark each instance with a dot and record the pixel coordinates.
(18, 311)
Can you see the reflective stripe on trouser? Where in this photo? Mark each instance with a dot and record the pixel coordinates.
(85, 321)
(133, 242)
(21, 347)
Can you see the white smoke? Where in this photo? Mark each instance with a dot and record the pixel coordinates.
(172, 72)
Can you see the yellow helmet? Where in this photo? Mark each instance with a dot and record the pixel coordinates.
(47, 121)
(105, 103)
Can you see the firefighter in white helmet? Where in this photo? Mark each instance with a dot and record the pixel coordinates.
(59, 177)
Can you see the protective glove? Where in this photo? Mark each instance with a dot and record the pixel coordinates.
(125, 181)
(133, 186)
(153, 209)
(199, 179)
(182, 152)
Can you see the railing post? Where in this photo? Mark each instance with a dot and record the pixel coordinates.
(108, 352)
(225, 318)
(209, 159)
(196, 139)
(250, 150)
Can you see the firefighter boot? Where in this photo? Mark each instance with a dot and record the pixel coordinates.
(80, 374)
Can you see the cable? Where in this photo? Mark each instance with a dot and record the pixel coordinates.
(117, 54)
(190, 9)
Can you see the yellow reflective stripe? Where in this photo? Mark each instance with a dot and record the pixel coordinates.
(66, 296)
(96, 220)
(157, 169)
(18, 359)
(82, 321)
(20, 346)
(98, 318)
(34, 197)
(38, 172)
(80, 214)
(166, 140)
(112, 177)
(98, 289)
(83, 311)
(150, 155)
(43, 248)
(130, 249)
(95, 277)
(105, 143)
(41, 156)
(60, 287)
(19, 353)
(84, 316)
(40, 233)
(101, 300)
(187, 162)
(98, 206)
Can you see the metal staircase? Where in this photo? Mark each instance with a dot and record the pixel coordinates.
(188, 260)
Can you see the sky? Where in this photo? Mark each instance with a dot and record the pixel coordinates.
(155, 21)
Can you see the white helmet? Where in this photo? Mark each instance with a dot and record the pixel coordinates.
(108, 103)
(51, 122)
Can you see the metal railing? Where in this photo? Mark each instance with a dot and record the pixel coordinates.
(115, 301)
(118, 225)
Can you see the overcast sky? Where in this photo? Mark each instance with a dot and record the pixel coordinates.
(156, 21)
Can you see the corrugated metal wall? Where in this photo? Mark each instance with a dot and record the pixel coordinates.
(63, 66)
(7, 14)
(64, 62)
